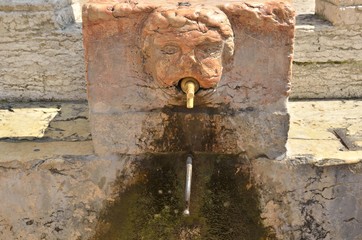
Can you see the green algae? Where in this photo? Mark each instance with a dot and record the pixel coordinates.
(224, 202)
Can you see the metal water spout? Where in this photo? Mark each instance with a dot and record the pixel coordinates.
(188, 185)
(190, 86)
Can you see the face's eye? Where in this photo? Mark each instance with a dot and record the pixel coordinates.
(213, 50)
(170, 50)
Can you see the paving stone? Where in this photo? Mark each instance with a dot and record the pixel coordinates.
(27, 151)
(25, 122)
(311, 133)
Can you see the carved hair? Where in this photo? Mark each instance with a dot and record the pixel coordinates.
(201, 18)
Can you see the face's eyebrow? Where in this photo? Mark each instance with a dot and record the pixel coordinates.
(163, 40)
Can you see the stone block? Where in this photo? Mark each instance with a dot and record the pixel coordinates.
(240, 54)
(173, 130)
(38, 14)
(312, 202)
(340, 12)
(327, 59)
(41, 54)
(47, 66)
(318, 41)
(327, 80)
(33, 5)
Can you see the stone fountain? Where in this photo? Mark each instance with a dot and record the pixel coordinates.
(167, 79)
(239, 53)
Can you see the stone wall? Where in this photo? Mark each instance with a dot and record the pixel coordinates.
(327, 60)
(41, 54)
(340, 12)
(64, 197)
(302, 201)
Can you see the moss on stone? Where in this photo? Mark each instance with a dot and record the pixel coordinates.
(224, 202)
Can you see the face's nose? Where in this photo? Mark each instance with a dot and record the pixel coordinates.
(188, 58)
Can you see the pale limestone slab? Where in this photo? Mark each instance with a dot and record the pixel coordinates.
(25, 122)
(54, 121)
(345, 2)
(311, 133)
(33, 5)
(340, 13)
(323, 152)
(318, 41)
(329, 80)
(328, 111)
(303, 6)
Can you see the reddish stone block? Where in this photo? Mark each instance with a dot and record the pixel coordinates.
(240, 53)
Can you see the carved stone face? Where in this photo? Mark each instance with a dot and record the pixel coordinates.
(187, 43)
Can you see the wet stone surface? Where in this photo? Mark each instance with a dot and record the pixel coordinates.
(224, 203)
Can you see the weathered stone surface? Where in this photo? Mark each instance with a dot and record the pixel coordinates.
(34, 5)
(53, 121)
(254, 84)
(33, 131)
(311, 122)
(316, 42)
(327, 59)
(306, 202)
(42, 75)
(345, 2)
(40, 14)
(327, 80)
(176, 131)
(313, 134)
(340, 13)
(33, 150)
(41, 55)
(57, 198)
(319, 41)
(63, 197)
(303, 6)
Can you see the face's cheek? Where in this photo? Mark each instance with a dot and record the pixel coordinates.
(211, 70)
(166, 69)
(211, 67)
(162, 63)
(209, 55)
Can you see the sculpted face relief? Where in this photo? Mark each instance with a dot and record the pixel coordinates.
(186, 42)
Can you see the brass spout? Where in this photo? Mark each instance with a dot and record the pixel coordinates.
(190, 87)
